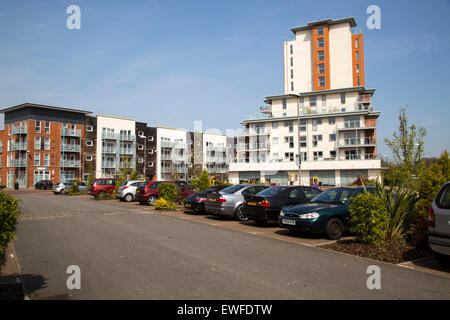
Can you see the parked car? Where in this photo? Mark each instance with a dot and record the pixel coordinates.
(267, 204)
(439, 225)
(102, 186)
(196, 201)
(228, 201)
(127, 190)
(147, 192)
(43, 185)
(63, 187)
(326, 213)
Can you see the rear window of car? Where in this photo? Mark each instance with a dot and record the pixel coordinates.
(123, 184)
(443, 198)
(272, 191)
(231, 189)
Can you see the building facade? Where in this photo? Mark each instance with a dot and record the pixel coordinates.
(324, 125)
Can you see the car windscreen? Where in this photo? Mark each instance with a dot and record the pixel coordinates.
(335, 195)
(231, 189)
(272, 191)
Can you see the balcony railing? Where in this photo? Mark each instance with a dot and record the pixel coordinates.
(166, 144)
(110, 136)
(358, 142)
(16, 163)
(71, 148)
(71, 132)
(127, 151)
(127, 137)
(109, 150)
(19, 130)
(367, 156)
(70, 163)
(109, 164)
(21, 146)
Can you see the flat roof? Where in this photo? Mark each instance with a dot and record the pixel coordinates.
(319, 92)
(115, 117)
(42, 106)
(350, 20)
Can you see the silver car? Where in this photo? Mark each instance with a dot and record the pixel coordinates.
(63, 187)
(127, 190)
(439, 224)
(228, 201)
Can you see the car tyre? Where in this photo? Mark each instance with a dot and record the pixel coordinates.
(239, 215)
(151, 200)
(142, 202)
(443, 259)
(62, 191)
(128, 197)
(334, 228)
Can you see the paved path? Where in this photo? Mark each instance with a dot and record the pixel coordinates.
(132, 253)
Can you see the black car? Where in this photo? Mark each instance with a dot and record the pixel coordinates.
(43, 185)
(267, 204)
(196, 201)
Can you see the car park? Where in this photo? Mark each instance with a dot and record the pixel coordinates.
(64, 187)
(266, 205)
(439, 225)
(326, 213)
(102, 186)
(147, 192)
(43, 185)
(228, 202)
(127, 190)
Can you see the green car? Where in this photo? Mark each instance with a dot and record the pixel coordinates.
(326, 213)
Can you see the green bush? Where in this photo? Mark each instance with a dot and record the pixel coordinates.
(369, 219)
(202, 182)
(168, 191)
(9, 213)
(163, 204)
(74, 188)
(104, 196)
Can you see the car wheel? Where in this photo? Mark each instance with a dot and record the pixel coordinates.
(334, 228)
(239, 215)
(151, 200)
(142, 202)
(128, 197)
(443, 259)
(62, 191)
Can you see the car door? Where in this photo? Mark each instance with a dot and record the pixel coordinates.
(295, 196)
(441, 210)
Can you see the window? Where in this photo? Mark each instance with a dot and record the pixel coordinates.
(37, 159)
(320, 43)
(443, 198)
(292, 74)
(356, 43)
(317, 155)
(275, 140)
(275, 156)
(140, 160)
(289, 140)
(357, 82)
(284, 114)
(357, 55)
(150, 164)
(302, 141)
(312, 101)
(321, 55)
(311, 192)
(316, 122)
(331, 120)
(140, 147)
(333, 154)
(37, 143)
(315, 139)
(89, 158)
(47, 127)
(319, 30)
(37, 126)
(342, 98)
(274, 125)
(292, 49)
(321, 82)
(357, 68)
(150, 138)
(47, 143)
(292, 86)
(289, 156)
(302, 102)
(284, 104)
(46, 159)
(321, 68)
(89, 143)
(326, 177)
(292, 61)
(303, 156)
(332, 137)
(140, 133)
(302, 125)
(89, 128)
(150, 151)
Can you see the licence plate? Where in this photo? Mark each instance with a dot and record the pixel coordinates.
(187, 204)
(212, 200)
(252, 203)
(289, 221)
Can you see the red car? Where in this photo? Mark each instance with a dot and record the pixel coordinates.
(147, 192)
(102, 185)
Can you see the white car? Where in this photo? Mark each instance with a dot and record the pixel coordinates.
(58, 188)
(439, 224)
(127, 190)
(63, 187)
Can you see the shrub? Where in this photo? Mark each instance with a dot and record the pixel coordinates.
(9, 212)
(369, 219)
(163, 204)
(104, 196)
(202, 182)
(74, 188)
(168, 191)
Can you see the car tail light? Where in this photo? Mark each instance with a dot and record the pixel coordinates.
(244, 202)
(125, 187)
(431, 218)
(264, 203)
(200, 199)
(221, 199)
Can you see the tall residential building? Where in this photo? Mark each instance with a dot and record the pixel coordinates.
(324, 125)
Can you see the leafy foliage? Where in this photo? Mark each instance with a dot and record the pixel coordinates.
(104, 196)
(163, 204)
(168, 192)
(202, 182)
(9, 212)
(91, 177)
(74, 188)
(126, 173)
(369, 218)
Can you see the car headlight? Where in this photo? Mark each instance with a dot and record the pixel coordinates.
(282, 213)
(309, 216)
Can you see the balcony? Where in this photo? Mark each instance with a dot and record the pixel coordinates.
(71, 148)
(20, 146)
(71, 132)
(356, 125)
(166, 144)
(110, 136)
(110, 150)
(70, 164)
(166, 157)
(364, 98)
(19, 130)
(126, 151)
(17, 163)
(109, 165)
(127, 137)
(358, 142)
(266, 109)
(259, 147)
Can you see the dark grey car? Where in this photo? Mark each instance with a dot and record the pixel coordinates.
(228, 202)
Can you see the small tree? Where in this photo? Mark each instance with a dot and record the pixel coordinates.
(74, 188)
(91, 177)
(168, 191)
(202, 182)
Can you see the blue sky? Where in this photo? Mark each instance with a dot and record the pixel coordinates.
(172, 62)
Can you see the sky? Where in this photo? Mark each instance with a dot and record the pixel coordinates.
(170, 63)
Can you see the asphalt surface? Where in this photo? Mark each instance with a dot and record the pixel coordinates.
(131, 253)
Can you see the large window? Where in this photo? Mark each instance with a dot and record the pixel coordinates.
(37, 126)
(37, 143)
(47, 128)
(46, 143)
(321, 82)
(319, 30)
(320, 43)
(46, 160)
(349, 177)
(37, 159)
(326, 177)
(321, 55)
(302, 125)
